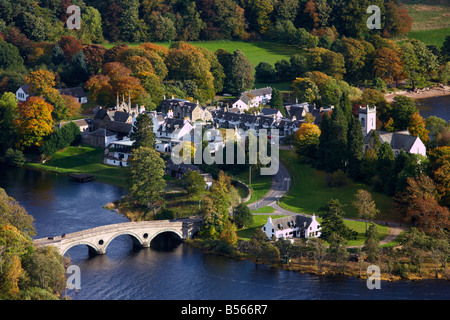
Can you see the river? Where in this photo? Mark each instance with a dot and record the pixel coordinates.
(171, 270)
(437, 106)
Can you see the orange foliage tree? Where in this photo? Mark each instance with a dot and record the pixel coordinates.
(34, 122)
(417, 127)
(40, 81)
(388, 65)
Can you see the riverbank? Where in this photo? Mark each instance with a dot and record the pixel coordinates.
(400, 269)
(420, 94)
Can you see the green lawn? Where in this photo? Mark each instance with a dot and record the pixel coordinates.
(264, 210)
(429, 37)
(258, 222)
(255, 51)
(84, 159)
(430, 20)
(260, 185)
(311, 191)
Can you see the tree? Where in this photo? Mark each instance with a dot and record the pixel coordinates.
(365, 205)
(337, 141)
(319, 251)
(332, 221)
(242, 216)
(417, 127)
(146, 182)
(338, 251)
(10, 58)
(34, 122)
(385, 162)
(414, 243)
(355, 149)
(241, 74)
(143, 134)
(70, 46)
(92, 26)
(371, 244)
(40, 81)
(388, 66)
(8, 114)
(276, 101)
(306, 140)
(402, 110)
(12, 213)
(258, 14)
(367, 167)
(15, 157)
(265, 72)
(305, 90)
(193, 182)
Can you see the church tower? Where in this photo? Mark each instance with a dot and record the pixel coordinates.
(368, 119)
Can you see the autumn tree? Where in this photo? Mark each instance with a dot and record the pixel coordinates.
(306, 140)
(388, 66)
(34, 122)
(365, 205)
(417, 127)
(40, 81)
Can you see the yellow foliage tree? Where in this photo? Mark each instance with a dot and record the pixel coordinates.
(306, 140)
(34, 122)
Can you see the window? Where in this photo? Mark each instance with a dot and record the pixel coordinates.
(273, 230)
(264, 228)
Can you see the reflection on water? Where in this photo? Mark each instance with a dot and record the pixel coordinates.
(437, 106)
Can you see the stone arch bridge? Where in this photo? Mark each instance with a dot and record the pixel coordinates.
(97, 239)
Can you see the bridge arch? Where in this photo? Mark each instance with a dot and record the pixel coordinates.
(137, 240)
(92, 247)
(165, 231)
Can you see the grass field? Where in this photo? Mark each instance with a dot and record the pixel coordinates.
(431, 23)
(84, 159)
(260, 185)
(311, 192)
(255, 51)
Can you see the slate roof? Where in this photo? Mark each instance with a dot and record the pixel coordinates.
(171, 124)
(291, 222)
(76, 92)
(398, 140)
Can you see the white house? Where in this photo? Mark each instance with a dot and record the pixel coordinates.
(298, 226)
(399, 140)
(172, 132)
(253, 98)
(118, 152)
(22, 93)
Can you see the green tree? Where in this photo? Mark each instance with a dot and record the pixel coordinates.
(264, 72)
(8, 114)
(142, 134)
(242, 216)
(146, 182)
(276, 101)
(402, 109)
(333, 222)
(9, 56)
(193, 182)
(385, 163)
(355, 147)
(241, 74)
(371, 244)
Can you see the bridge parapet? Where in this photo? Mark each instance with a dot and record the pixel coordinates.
(142, 233)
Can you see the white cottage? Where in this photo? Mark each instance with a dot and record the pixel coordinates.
(118, 152)
(298, 226)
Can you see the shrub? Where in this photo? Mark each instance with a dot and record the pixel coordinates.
(336, 179)
(15, 157)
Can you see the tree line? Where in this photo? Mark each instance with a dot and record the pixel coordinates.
(190, 20)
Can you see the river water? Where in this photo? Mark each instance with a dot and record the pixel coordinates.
(437, 106)
(170, 270)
